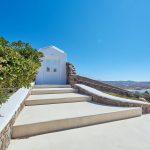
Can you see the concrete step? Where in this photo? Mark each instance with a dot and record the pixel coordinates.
(40, 119)
(56, 98)
(129, 134)
(52, 90)
(52, 86)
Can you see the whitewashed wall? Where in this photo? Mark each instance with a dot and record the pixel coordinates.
(54, 58)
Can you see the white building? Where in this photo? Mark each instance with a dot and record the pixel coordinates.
(53, 69)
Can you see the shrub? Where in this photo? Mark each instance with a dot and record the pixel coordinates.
(3, 95)
(146, 92)
(19, 63)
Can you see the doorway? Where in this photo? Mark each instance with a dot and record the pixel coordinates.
(51, 73)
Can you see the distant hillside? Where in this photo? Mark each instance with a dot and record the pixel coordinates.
(130, 84)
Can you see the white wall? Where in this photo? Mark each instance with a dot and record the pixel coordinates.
(8, 109)
(53, 58)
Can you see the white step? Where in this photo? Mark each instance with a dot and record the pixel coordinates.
(40, 119)
(52, 90)
(129, 134)
(52, 86)
(56, 98)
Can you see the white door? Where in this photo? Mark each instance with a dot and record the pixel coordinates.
(51, 71)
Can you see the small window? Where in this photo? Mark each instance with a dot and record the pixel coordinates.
(48, 69)
(55, 70)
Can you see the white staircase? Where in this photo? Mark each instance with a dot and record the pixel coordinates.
(47, 112)
(54, 108)
(52, 90)
(52, 86)
(55, 98)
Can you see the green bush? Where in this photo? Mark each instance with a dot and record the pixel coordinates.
(3, 95)
(19, 63)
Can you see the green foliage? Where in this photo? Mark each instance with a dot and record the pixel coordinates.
(130, 95)
(146, 96)
(3, 95)
(146, 92)
(19, 63)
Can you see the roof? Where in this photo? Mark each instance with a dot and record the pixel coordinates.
(52, 47)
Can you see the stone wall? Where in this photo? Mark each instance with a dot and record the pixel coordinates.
(73, 79)
(6, 132)
(100, 85)
(106, 101)
(71, 74)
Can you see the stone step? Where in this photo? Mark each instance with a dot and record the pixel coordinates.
(52, 86)
(52, 90)
(40, 119)
(56, 98)
(129, 134)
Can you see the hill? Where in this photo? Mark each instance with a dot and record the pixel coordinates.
(130, 84)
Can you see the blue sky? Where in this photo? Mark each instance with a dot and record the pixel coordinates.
(104, 39)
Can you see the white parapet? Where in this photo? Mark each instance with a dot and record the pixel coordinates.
(108, 96)
(8, 109)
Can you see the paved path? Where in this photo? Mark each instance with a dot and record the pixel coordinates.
(38, 122)
(129, 134)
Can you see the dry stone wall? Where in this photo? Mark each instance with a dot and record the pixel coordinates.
(5, 134)
(73, 79)
(71, 74)
(106, 101)
(101, 86)
(12, 109)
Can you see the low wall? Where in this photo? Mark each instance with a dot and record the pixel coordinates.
(8, 114)
(98, 97)
(73, 79)
(100, 85)
(71, 73)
